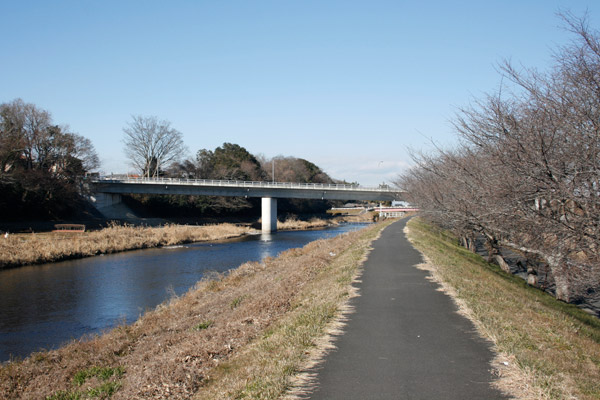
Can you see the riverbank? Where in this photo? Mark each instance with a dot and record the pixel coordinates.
(240, 335)
(37, 248)
(547, 349)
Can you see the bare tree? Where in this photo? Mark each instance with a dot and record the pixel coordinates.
(28, 128)
(41, 164)
(84, 150)
(30, 140)
(152, 145)
(527, 173)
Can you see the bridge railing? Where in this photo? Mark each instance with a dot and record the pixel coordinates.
(233, 183)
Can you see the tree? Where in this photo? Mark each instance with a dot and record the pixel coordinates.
(527, 173)
(25, 130)
(41, 164)
(292, 169)
(230, 162)
(152, 145)
(233, 162)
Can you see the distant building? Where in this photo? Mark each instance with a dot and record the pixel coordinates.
(394, 212)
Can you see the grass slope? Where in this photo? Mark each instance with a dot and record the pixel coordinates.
(548, 349)
(242, 335)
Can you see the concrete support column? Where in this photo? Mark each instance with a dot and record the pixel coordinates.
(269, 214)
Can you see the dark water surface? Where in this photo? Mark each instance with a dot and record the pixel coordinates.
(43, 306)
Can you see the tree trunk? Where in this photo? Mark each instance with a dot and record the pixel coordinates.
(468, 242)
(563, 288)
(532, 278)
(503, 264)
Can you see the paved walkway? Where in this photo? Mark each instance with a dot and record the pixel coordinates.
(405, 339)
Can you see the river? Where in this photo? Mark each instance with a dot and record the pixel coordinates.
(44, 306)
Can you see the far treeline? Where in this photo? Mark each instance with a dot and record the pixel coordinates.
(43, 167)
(526, 174)
(233, 162)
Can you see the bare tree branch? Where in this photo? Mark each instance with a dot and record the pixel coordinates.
(152, 145)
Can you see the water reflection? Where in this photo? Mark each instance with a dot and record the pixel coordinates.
(44, 306)
(266, 237)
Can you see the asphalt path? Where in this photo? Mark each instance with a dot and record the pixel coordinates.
(405, 339)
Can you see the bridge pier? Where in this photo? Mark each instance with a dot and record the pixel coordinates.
(269, 214)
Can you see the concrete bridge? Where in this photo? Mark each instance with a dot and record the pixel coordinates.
(108, 191)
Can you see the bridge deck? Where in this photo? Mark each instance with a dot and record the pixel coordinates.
(209, 187)
(233, 183)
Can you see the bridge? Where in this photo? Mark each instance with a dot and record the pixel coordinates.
(108, 191)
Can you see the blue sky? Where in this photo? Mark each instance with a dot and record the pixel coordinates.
(348, 85)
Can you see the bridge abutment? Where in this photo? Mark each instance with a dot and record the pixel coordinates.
(103, 200)
(111, 206)
(269, 214)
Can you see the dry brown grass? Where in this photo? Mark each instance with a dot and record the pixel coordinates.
(296, 224)
(37, 248)
(241, 335)
(34, 248)
(272, 365)
(547, 349)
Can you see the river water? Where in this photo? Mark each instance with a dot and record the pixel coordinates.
(44, 306)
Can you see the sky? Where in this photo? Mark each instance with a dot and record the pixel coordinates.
(352, 86)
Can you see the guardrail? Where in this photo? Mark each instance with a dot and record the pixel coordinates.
(243, 184)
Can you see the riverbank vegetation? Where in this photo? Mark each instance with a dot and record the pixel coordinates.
(37, 248)
(526, 174)
(547, 349)
(292, 223)
(240, 335)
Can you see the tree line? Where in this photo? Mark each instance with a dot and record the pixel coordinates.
(42, 164)
(231, 162)
(156, 149)
(526, 174)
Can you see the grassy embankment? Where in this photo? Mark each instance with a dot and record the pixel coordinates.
(36, 248)
(291, 224)
(547, 349)
(243, 335)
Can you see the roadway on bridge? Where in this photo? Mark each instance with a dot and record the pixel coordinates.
(405, 339)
